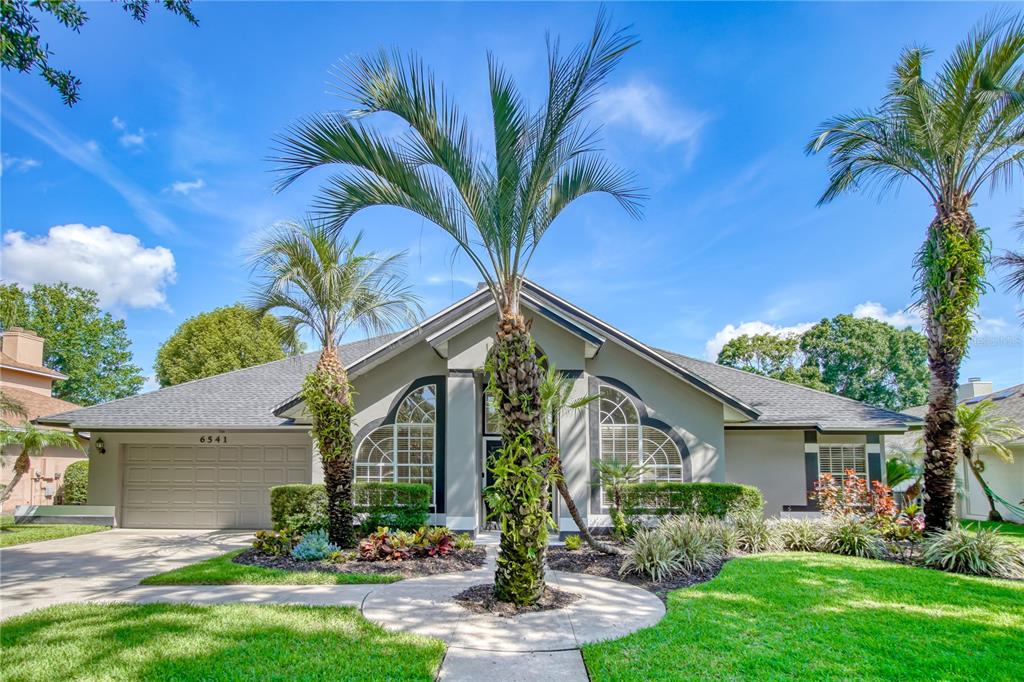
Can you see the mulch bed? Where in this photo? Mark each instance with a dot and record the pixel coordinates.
(592, 562)
(459, 560)
(480, 599)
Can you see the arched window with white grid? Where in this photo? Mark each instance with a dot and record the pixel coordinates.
(625, 440)
(402, 452)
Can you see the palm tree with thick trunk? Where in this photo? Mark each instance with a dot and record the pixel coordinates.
(496, 205)
(32, 442)
(978, 427)
(949, 135)
(322, 284)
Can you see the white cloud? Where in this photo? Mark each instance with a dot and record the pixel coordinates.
(19, 164)
(186, 186)
(118, 123)
(116, 265)
(730, 332)
(644, 107)
(901, 319)
(129, 139)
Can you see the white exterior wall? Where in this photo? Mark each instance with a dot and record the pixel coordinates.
(1006, 480)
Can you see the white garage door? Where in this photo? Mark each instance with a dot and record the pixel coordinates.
(226, 486)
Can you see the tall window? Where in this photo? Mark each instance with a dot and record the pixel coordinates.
(836, 459)
(625, 440)
(402, 452)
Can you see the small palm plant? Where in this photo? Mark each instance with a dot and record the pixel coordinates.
(322, 284)
(978, 427)
(497, 207)
(949, 136)
(613, 476)
(32, 441)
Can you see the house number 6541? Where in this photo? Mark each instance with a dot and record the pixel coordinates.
(213, 439)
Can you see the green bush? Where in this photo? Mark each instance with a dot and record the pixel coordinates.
(851, 536)
(800, 535)
(303, 507)
(650, 553)
(985, 552)
(700, 499)
(76, 482)
(696, 540)
(754, 534)
(573, 542)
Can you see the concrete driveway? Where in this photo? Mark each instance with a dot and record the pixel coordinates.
(98, 565)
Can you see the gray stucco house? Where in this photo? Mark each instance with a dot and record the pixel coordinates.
(203, 454)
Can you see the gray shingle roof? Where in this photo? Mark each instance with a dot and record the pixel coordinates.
(1009, 403)
(244, 398)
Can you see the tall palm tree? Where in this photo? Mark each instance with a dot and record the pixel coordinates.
(949, 135)
(497, 206)
(322, 284)
(1013, 262)
(978, 427)
(32, 441)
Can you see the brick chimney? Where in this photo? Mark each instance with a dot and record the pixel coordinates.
(23, 346)
(973, 388)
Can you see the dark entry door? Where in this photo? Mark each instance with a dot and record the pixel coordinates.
(491, 447)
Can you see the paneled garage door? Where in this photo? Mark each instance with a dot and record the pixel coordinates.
(226, 486)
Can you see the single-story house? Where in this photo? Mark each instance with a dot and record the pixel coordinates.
(203, 454)
(1005, 479)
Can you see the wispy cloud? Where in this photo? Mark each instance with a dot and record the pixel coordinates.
(186, 186)
(19, 164)
(129, 139)
(87, 155)
(644, 107)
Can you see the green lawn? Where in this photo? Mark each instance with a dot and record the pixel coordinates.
(825, 617)
(11, 534)
(1014, 531)
(232, 642)
(222, 570)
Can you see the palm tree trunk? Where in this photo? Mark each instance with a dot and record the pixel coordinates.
(328, 398)
(951, 268)
(519, 577)
(574, 512)
(976, 468)
(20, 468)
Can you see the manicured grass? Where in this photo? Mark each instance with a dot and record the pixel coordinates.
(11, 534)
(1014, 531)
(222, 570)
(232, 642)
(801, 616)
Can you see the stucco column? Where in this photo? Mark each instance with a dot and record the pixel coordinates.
(462, 484)
(574, 449)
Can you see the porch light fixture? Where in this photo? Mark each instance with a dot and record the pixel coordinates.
(100, 446)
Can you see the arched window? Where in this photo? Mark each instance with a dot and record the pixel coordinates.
(402, 452)
(625, 440)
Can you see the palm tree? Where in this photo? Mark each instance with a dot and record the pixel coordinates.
(1013, 262)
(32, 441)
(614, 476)
(497, 207)
(11, 407)
(322, 284)
(979, 428)
(950, 136)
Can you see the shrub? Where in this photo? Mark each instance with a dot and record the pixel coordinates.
(76, 482)
(275, 543)
(651, 554)
(464, 541)
(984, 552)
(700, 499)
(799, 535)
(727, 535)
(300, 507)
(314, 546)
(754, 534)
(404, 506)
(385, 544)
(434, 541)
(852, 536)
(697, 544)
(573, 542)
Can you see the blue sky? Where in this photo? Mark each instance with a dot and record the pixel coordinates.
(152, 188)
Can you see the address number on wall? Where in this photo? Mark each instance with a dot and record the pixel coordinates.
(206, 440)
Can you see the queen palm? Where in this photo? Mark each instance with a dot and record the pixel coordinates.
(950, 136)
(32, 442)
(497, 207)
(978, 427)
(319, 283)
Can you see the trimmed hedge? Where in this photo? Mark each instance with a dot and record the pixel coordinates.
(76, 482)
(403, 506)
(702, 499)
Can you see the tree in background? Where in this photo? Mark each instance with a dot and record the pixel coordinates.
(496, 204)
(951, 136)
(79, 340)
(221, 340)
(859, 358)
(32, 442)
(320, 283)
(22, 48)
(979, 427)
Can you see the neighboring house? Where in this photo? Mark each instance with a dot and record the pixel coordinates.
(204, 453)
(24, 378)
(1006, 479)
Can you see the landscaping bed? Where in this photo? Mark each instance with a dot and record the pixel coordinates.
(481, 599)
(455, 561)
